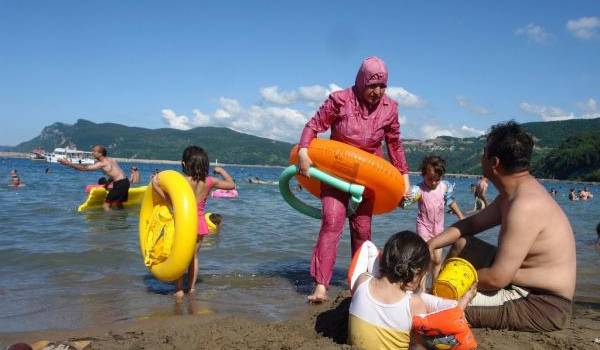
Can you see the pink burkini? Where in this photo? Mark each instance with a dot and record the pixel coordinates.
(432, 205)
(200, 205)
(353, 123)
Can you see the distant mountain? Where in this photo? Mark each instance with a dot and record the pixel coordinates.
(462, 154)
(224, 144)
(6, 148)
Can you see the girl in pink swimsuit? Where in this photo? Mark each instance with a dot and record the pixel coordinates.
(433, 195)
(194, 163)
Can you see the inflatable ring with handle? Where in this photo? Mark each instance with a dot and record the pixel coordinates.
(168, 238)
(382, 181)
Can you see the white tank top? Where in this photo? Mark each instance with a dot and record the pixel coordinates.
(376, 325)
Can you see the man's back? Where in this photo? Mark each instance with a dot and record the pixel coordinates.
(550, 262)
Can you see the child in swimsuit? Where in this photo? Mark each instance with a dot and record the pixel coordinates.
(433, 195)
(195, 165)
(383, 307)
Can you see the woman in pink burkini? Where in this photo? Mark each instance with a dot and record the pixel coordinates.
(195, 164)
(361, 116)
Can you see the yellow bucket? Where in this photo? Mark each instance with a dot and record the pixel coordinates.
(455, 279)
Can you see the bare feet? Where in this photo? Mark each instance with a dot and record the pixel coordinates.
(468, 296)
(319, 294)
(179, 294)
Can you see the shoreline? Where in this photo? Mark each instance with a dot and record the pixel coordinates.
(319, 327)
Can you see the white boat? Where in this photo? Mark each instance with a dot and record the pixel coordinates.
(72, 154)
(37, 154)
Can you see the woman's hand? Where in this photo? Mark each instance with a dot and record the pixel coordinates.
(304, 162)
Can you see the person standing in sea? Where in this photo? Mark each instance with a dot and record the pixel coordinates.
(361, 116)
(109, 166)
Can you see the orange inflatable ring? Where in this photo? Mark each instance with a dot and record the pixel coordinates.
(383, 182)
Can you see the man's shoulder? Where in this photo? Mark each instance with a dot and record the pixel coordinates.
(531, 198)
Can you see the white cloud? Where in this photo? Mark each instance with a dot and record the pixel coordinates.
(534, 33)
(402, 119)
(547, 113)
(584, 27)
(334, 87)
(469, 131)
(315, 93)
(200, 119)
(311, 94)
(469, 106)
(174, 121)
(273, 95)
(404, 98)
(280, 123)
(431, 131)
(590, 109)
(274, 117)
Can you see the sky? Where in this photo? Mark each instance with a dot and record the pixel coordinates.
(264, 67)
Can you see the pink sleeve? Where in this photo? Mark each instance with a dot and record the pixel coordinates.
(320, 122)
(394, 144)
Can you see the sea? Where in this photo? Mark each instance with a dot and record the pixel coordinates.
(60, 269)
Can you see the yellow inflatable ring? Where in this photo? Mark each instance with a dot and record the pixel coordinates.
(168, 239)
(212, 228)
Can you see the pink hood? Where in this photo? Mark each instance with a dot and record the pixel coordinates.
(372, 71)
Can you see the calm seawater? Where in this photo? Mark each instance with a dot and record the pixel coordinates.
(64, 269)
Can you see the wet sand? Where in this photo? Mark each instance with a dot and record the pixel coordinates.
(317, 327)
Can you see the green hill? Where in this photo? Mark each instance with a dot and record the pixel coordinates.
(577, 158)
(563, 149)
(224, 144)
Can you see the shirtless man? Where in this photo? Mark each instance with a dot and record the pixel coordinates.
(118, 193)
(527, 283)
(481, 200)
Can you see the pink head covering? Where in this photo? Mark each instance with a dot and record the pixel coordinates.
(372, 71)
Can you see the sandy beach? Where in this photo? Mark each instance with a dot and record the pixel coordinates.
(318, 327)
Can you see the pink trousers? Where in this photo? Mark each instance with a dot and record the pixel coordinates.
(334, 205)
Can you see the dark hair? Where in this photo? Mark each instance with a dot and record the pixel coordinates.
(194, 163)
(598, 229)
(437, 163)
(215, 218)
(511, 144)
(405, 255)
(101, 149)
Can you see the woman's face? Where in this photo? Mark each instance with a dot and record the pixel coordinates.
(373, 93)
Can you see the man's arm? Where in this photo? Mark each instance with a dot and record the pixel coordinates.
(519, 232)
(91, 167)
(472, 225)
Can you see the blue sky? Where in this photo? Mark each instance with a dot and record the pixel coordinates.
(263, 67)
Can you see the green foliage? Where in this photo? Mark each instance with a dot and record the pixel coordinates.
(577, 158)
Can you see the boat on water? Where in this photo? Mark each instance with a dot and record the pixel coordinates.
(72, 154)
(37, 154)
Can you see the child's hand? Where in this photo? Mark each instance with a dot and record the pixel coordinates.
(218, 170)
(468, 296)
(155, 181)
